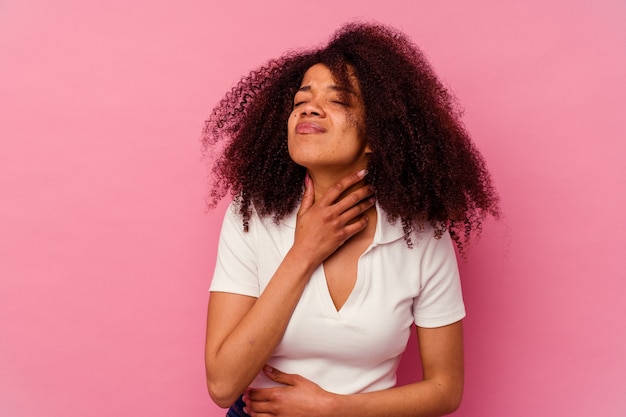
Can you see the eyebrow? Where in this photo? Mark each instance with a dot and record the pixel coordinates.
(333, 87)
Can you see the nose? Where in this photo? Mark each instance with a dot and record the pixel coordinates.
(312, 108)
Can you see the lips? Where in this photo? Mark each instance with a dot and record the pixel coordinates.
(309, 128)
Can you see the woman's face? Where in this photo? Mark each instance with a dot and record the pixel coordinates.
(325, 128)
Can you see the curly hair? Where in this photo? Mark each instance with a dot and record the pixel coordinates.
(424, 166)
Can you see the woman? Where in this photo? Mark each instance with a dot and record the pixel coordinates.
(353, 178)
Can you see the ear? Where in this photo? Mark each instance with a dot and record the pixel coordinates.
(367, 149)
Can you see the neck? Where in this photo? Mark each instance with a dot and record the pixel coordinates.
(323, 180)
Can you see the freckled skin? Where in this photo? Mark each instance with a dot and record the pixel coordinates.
(342, 146)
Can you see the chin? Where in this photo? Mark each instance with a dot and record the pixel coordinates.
(302, 159)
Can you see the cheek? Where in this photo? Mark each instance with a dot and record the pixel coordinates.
(291, 121)
(356, 120)
(353, 128)
(291, 147)
(352, 120)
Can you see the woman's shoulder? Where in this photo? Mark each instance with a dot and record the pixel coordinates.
(254, 220)
(391, 228)
(419, 238)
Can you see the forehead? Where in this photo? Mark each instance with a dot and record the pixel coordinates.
(320, 76)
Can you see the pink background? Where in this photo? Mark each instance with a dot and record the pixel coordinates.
(106, 249)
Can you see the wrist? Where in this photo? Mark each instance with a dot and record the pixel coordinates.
(301, 259)
(335, 405)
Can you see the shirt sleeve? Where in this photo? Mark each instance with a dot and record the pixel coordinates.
(440, 300)
(236, 264)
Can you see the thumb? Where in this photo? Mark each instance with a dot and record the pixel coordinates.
(278, 376)
(309, 193)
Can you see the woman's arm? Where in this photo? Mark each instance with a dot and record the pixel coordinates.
(243, 331)
(439, 393)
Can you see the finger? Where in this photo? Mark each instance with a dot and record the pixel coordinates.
(259, 408)
(354, 220)
(309, 194)
(260, 395)
(357, 198)
(356, 210)
(355, 227)
(278, 376)
(335, 191)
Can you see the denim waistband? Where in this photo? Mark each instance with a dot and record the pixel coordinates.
(236, 410)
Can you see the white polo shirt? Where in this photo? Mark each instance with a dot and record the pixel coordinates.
(358, 348)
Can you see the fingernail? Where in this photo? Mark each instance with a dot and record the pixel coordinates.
(268, 369)
(362, 173)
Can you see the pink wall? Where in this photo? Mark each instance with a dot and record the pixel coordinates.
(106, 251)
